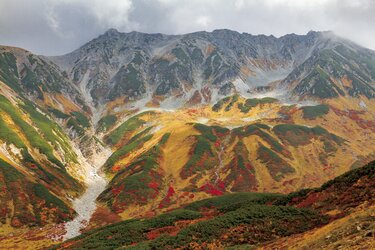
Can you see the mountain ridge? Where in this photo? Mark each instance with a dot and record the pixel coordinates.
(163, 121)
(155, 66)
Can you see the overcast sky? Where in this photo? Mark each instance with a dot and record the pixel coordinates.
(53, 27)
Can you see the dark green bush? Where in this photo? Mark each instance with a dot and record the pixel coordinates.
(253, 102)
(106, 123)
(51, 200)
(81, 119)
(129, 125)
(313, 112)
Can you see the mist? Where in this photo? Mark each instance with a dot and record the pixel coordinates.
(54, 27)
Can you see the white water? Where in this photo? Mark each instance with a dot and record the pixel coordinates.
(85, 205)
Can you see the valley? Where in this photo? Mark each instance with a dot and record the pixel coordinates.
(85, 205)
(136, 131)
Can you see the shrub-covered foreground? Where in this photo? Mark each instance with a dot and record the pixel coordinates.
(226, 218)
(341, 193)
(237, 219)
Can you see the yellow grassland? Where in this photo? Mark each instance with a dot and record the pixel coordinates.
(345, 233)
(310, 171)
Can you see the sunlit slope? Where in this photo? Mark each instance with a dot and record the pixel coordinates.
(37, 165)
(349, 200)
(165, 158)
(38, 80)
(337, 214)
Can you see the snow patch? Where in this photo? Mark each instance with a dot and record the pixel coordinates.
(363, 105)
(241, 87)
(4, 149)
(223, 119)
(202, 120)
(250, 119)
(156, 129)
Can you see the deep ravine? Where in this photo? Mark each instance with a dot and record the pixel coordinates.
(85, 205)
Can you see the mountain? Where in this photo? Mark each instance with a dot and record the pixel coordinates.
(41, 167)
(34, 76)
(259, 145)
(37, 162)
(254, 220)
(200, 66)
(135, 125)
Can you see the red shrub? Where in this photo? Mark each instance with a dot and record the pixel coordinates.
(153, 185)
(211, 189)
(117, 190)
(221, 185)
(171, 192)
(167, 198)
(116, 168)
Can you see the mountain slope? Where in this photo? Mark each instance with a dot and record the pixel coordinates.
(37, 163)
(176, 119)
(349, 200)
(33, 76)
(160, 162)
(197, 67)
(346, 69)
(38, 80)
(239, 219)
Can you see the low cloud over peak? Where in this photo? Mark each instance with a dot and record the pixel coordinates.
(54, 27)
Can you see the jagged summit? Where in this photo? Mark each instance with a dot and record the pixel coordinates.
(111, 32)
(199, 67)
(202, 67)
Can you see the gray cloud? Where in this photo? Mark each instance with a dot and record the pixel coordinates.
(54, 27)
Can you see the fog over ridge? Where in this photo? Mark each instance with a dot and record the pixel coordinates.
(54, 27)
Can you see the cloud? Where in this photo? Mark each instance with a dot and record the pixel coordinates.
(60, 26)
(101, 14)
(204, 21)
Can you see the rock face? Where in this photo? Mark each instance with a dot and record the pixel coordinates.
(194, 68)
(33, 75)
(137, 65)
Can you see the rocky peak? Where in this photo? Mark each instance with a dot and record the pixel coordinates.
(111, 32)
(137, 65)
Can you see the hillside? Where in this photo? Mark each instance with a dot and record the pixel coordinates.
(160, 162)
(133, 125)
(38, 161)
(246, 218)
